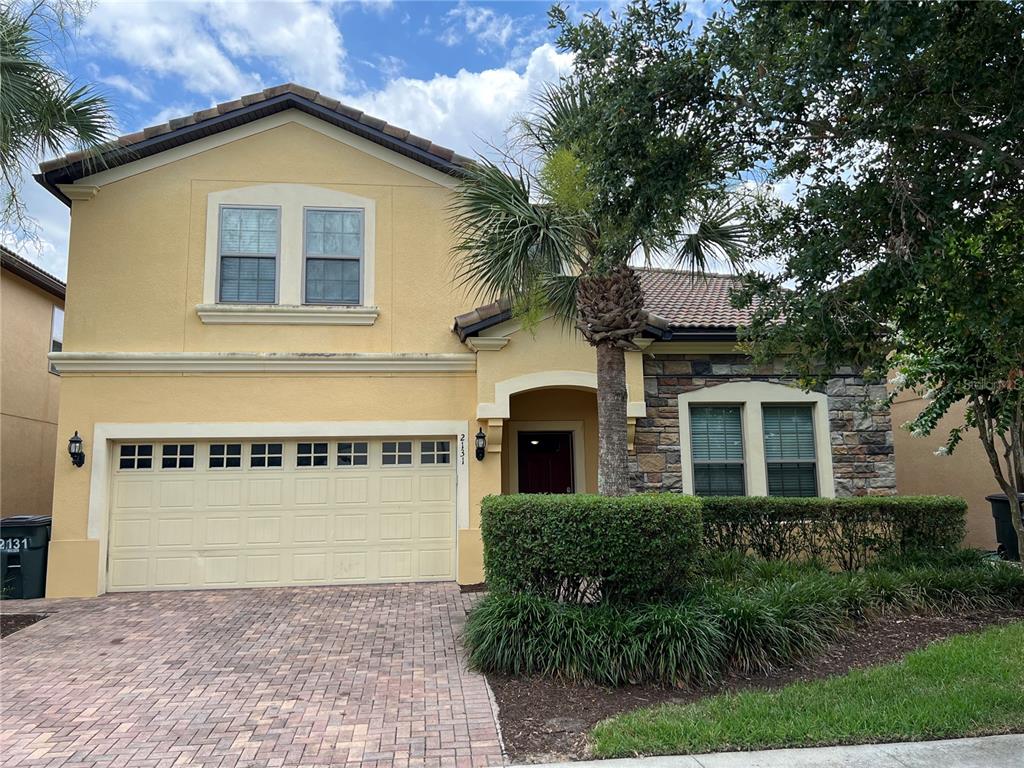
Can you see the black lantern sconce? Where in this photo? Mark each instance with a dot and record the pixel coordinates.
(75, 450)
(481, 445)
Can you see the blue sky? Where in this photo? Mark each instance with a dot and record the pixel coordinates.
(455, 72)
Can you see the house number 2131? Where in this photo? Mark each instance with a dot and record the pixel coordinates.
(13, 545)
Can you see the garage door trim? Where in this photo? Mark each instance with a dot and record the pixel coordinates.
(106, 434)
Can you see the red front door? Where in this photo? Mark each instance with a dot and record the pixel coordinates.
(545, 462)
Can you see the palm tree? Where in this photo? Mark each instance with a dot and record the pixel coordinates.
(532, 232)
(42, 111)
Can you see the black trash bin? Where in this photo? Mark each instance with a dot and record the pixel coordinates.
(24, 541)
(1005, 535)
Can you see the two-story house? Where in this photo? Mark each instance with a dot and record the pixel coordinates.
(31, 326)
(277, 382)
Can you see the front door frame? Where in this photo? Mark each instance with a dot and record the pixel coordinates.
(579, 470)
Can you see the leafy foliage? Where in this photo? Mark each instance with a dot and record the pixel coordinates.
(760, 617)
(42, 111)
(583, 548)
(897, 128)
(848, 532)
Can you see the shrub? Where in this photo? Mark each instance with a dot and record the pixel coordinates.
(746, 623)
(580, 548)
(849, 532)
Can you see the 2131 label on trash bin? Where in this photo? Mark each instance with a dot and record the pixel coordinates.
(14, 545)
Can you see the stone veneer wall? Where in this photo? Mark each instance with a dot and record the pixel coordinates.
(863, 460)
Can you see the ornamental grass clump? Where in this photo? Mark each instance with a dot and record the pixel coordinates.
(741, 615)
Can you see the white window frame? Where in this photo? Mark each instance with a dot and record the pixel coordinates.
(353, 454)
(397, 442)
(225, 456)
(743, 442)
(752, 396)
(359, 260)
(313, 454)
(291, 200)
(817, 450)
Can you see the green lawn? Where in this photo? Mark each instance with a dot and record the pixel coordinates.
(968, 685)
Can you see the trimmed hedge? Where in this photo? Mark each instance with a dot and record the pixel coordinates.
(580, 548)
(745, 623)
(849, 532)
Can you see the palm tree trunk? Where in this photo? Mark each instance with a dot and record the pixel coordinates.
(612, 462)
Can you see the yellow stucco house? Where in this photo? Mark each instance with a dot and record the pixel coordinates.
(277, 382)
(31, 326)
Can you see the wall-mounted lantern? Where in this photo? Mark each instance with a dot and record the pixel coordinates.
(75, 450)
(481, 445)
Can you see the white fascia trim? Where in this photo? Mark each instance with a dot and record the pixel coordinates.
(751, 396)
(265, 124)
(264, 314)
(105, 434)
(258, 362)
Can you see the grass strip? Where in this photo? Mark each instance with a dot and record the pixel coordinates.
(966, 686)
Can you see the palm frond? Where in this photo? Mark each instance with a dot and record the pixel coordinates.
(720, 232)
(557, 110)
(506, 243)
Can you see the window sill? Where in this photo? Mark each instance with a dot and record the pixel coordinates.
(277, 314)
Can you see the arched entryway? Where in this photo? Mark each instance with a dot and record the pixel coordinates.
(549, 442)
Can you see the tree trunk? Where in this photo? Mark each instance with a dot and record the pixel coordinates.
(613, 460)
(1011, 485)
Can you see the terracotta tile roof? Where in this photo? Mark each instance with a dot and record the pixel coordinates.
(674, 300)
(229, 114)
(689, 300)
(26, 270)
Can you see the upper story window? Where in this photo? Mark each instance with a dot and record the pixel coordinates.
(56, 334)
(249, 245)
(333, 248)
(300, 252)
(716, 440)
(789, 450)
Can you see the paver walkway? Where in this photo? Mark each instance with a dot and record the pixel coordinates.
(343, 676)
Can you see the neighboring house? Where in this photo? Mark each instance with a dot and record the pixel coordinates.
(260, 356)
(31, 326)
(966, 472)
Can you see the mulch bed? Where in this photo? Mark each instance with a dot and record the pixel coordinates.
(548, 720)
(12, 622)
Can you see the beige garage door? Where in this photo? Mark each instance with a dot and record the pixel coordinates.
(221, 514)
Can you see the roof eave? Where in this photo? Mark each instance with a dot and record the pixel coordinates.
(29, 273)
(79, 169)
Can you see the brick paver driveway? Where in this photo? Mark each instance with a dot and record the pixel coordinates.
(353, 676)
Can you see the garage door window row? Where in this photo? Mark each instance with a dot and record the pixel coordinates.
(312, 455)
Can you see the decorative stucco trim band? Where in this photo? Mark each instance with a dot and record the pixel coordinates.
(258, 362)
(257, 314)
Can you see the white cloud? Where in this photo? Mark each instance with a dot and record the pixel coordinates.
(469, 109)
(123, 84)
(213, 46)
(489, 28)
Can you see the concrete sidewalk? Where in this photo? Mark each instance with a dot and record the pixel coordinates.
(986, 752)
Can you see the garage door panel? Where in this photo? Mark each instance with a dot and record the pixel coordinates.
(311, 491)
(220, 527)
(352, 528)
(265, 491)
(224, 493)
(395, 489)
(223, 531)
(134, 494)
(130, 533)
(264, 530)
(174, 532)
(352, 490)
